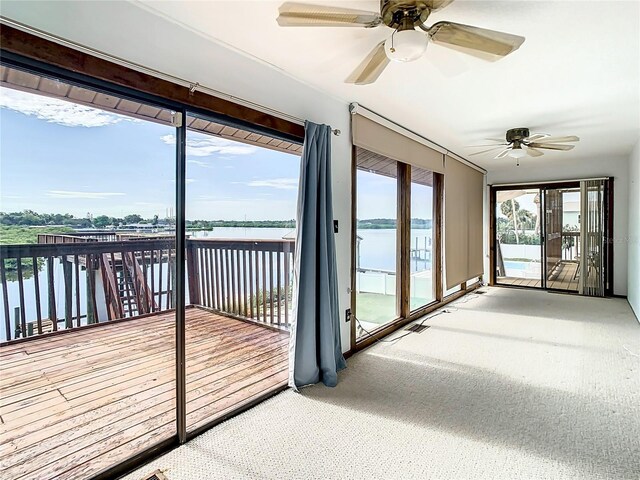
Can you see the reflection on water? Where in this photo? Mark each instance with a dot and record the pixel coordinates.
(378, 249)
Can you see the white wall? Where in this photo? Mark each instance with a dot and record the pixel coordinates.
(616, 167)
(634, 231)
(164, 46)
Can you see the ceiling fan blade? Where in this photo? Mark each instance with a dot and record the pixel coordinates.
(475, 39)
(503, 153)
(551, 146)
(371, 67)
(434, 5)
(294, 14)
(570, 138)
(534, 137)
(532, 152)
(489, 145)
(486, 151)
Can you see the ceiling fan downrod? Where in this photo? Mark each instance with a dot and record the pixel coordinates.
(404, 14)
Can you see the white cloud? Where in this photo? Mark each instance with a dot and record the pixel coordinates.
(279, 183)
(205, 146)
(200, 163)
(90, 195)
(57, 111)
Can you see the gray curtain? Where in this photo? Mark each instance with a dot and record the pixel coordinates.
(315, 351)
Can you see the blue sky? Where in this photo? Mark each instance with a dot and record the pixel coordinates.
(377, 197)
(59, 157)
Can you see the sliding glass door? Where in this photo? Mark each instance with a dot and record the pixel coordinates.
(87, 266)
(241, 200)
(146, 271)
(562, 238)
(565, 247)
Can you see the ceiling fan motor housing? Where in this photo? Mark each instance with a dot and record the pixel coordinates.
(517, 134)
(404, 14)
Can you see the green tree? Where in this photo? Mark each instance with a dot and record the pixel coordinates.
(510, 210)
(101, 221)
(133, 218)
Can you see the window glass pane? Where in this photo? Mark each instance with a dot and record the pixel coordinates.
(422, 284)
(376, 242)
(242, 190)
(94, 174)
(562, 235)
(518, 242)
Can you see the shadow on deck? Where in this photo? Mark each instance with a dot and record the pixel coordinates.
(77, 403)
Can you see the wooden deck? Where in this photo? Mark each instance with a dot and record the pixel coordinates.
(519, 282)
(75, 404)
(564, 278)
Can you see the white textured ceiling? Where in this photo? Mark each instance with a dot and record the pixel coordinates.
(576, 74)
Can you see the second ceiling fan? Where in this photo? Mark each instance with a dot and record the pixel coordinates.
(519, 142)
(406, 43)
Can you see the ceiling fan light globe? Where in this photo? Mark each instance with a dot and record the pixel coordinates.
(517, 153)
(406, 46)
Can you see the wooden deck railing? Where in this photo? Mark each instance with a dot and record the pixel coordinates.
(570, 245)
(53, 285)
(99, 281)
(248, 278)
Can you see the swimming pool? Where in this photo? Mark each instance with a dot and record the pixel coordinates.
(516, 265)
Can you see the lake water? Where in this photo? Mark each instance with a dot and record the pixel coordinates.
(377, 247)
(376, 251)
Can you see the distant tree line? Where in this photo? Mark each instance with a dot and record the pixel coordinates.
(210, 224)
(29, 218)
(384, 223)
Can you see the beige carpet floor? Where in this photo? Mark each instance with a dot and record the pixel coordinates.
(511, 384)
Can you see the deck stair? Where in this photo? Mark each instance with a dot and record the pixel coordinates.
(126, 289)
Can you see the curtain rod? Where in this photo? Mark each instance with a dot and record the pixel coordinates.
(355, 107)
(193, 86)
(524, 184)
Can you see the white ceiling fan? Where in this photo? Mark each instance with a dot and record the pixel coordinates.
(519, 142)
(406, 43)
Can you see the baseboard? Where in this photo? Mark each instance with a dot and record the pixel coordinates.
(633, 311)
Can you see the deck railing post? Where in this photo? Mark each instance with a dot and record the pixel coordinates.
(68, 293)
(16, 319)
(192, 274)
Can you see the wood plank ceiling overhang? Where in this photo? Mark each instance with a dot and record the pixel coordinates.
(41, 85)
(375, 163)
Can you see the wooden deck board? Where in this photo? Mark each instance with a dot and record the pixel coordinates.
(565, 280)
(100, 395)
